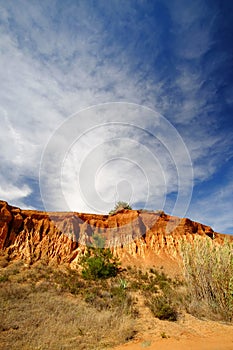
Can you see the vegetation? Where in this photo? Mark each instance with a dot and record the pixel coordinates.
(99, 262)
(162, 308)
(120, 206)
(160, 292)
(45, 307)
(208, 269)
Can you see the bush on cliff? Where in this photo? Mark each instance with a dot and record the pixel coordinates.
(99, 262)
(120, 206)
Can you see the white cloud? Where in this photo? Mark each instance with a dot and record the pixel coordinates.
(10, 192)
(100, 149)
(54, 64)
(215, 208)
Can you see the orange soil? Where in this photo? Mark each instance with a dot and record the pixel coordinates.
(187, 334)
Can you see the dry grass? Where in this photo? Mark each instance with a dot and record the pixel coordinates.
(161, 294)
(43, 307)
(46, 308)
(38, 313)
(208, 269)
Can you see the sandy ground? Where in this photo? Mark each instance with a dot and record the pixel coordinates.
(188, 344)
(186, 334)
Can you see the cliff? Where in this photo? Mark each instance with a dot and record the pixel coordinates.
(138, 237)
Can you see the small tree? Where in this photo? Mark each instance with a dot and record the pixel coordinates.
(99, 262)
(119, 206)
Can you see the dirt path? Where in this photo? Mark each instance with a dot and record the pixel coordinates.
(187, 334)
(194, 343)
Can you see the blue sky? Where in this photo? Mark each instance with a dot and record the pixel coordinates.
(107, 100)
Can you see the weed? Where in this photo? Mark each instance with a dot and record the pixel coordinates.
(146, 343)
(4, 278)
(164, 335)
(123, 283)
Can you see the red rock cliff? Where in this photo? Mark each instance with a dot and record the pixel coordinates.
(135, 236)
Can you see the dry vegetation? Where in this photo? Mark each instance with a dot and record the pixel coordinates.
(56, 308)
(208, 269)
(44, 307)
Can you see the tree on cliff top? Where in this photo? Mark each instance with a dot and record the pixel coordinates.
(119, 206)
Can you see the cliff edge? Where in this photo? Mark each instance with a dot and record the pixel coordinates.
(136, 236)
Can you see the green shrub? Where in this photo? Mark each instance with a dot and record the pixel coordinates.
(119, 206)
(99, 262)
(208, 269)
(162, 308)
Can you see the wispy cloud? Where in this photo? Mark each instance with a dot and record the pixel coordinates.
(57, 59)
(214, 207)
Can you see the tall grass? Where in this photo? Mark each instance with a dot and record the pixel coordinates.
(208, 269)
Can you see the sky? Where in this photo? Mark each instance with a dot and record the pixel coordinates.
(113, 100)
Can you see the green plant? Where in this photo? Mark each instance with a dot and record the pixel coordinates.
(119, 206)
(208, 270)
(162, 308)
(123, 283)
(99, 262)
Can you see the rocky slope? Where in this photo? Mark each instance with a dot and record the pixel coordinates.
(135, 236)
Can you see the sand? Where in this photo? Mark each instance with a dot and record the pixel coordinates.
(188, 333)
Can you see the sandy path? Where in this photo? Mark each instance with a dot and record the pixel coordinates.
(188, 334)
(216, 343)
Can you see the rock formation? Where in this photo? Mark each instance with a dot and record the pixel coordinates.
(136, 236)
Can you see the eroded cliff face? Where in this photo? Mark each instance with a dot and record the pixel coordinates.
(135, 236)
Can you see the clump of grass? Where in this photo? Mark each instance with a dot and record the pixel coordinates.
(4, 278)
(162, 308)
(164, 335)
(208, 270)
(68, 280)
(146, 343)
(109, 296)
